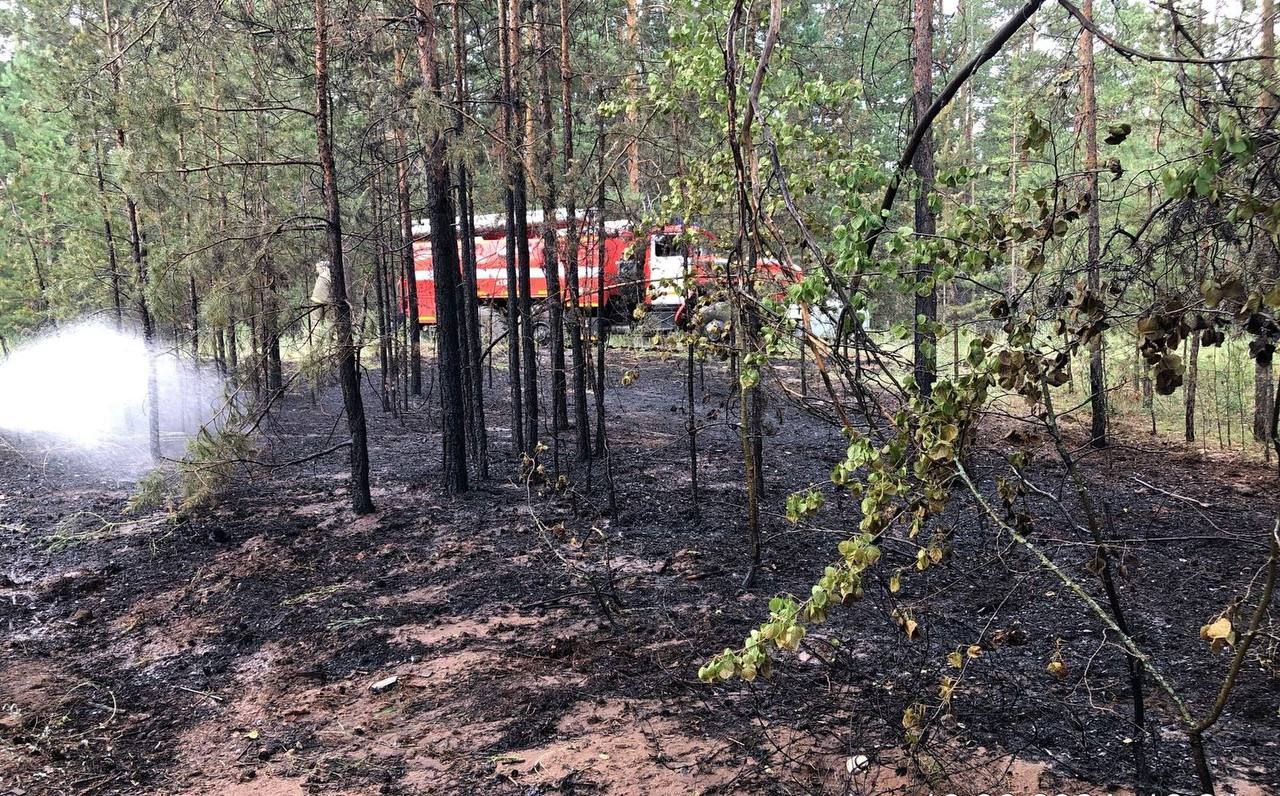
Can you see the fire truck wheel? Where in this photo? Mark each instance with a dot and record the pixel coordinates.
(492, 318)
(596, 325)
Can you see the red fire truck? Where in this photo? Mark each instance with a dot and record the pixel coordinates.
(649, 270)
(646, 270)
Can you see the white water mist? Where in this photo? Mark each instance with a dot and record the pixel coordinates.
(82, 389)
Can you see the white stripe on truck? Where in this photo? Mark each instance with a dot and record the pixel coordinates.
(424, 275)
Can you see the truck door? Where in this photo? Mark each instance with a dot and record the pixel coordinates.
(666, 271)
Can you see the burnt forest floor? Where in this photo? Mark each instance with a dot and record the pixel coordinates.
(233, 651)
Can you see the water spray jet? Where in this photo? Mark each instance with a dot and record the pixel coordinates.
(82, 390)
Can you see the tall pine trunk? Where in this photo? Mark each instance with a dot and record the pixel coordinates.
(444, 258)
(511, 157)
(1265, 251)
(1089, 122)
(1191, 385)
(380, 290)
(926, 225)
(519, 217)
(550, 253)
(406, 245)
(631, 38)
(602, 328)
(137, 249)
(582, 430)
(476, 428)
(348, 376)
(113, 264)
(148, 327)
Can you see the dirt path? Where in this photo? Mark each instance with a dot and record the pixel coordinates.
(236, 653)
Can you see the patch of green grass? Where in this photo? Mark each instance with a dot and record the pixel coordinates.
(315, 595)
(352, 622)
(76, 529)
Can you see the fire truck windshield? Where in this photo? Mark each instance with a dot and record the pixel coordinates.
(665, 246)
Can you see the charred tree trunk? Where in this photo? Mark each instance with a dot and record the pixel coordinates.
(113, 264)
(269, 320)
(1263, 400)
(550, 253)
(409, 273)
(747, 248)
(406, 249)
(195, 320)
(514, 174)
(926, 298)
(233, 345)
(602, 342)
(632, 40)
(1089, 121)
(582, 429)
(406, 252)
(471, 300)
(528, 351)
(693, 433)
(220, 351)
(139, 255)
(444, 256)
(256, 360)
(379, 292)
(148, 328)
(388, 261)
(477, 432)
(348, 374)
(1191, 385)
(602, 329)
(271, 328)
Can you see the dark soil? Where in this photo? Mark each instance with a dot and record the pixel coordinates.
(540, 645)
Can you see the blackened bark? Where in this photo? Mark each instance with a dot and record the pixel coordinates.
(220, 351)
(444, 258)
(746, 251)
(1264, 400)
(582, 429)
(550, 258)
(1089, 117)
(476, 430)
(926, 304)
(406, 248)
(348, 376)
(148, 328)
(479, 433)
(528, 351)
(271, 328)
(113, 264)
(408, 270)
(602, 328)
(513, 173)
(195, 320)
(388, 262)
(692, 428)
(233, 345)
(1191, 385)
(379, 290)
